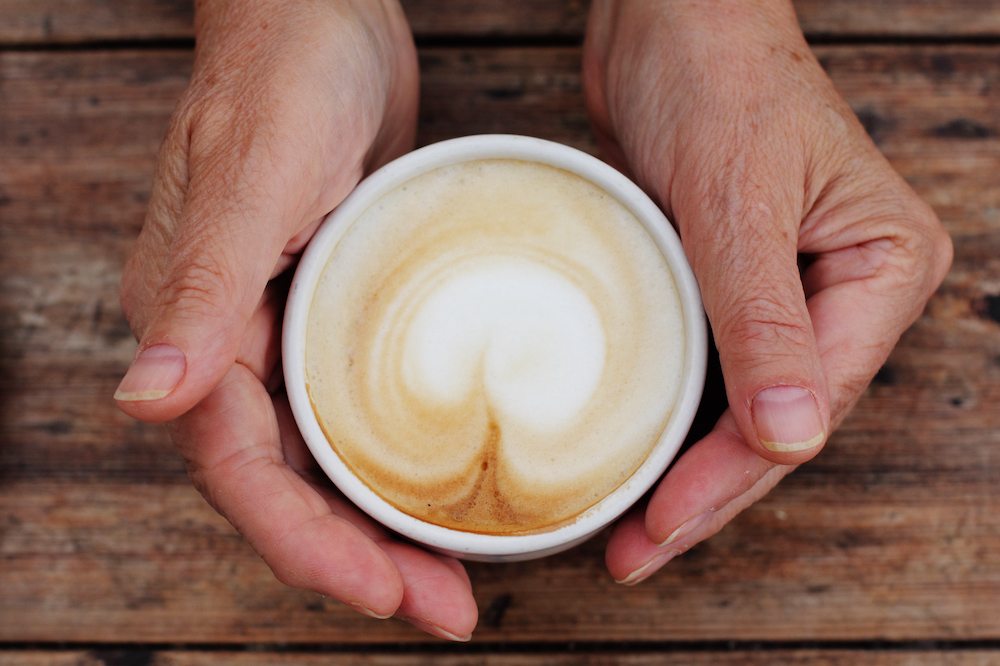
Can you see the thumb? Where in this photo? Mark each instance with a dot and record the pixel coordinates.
(746, 259)
(194, 320)
(200, 267)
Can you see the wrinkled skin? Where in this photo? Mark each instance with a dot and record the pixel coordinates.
(718, 109)
(290, 104)
(721, 112)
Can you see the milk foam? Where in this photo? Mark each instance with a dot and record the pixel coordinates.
(530, 337)
(495, 346)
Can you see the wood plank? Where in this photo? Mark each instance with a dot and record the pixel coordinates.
(91, 562)
(890, 534)
(908, 101)
(73, 21)
(79, 141)
(488, 90)
(469, 657)
(898, 18)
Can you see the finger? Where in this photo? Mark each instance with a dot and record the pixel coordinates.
(437, 592)
(294, 451)
(861, 299)
(231, 443)
(437, 595)
(741, 234)
(245, 198)
(870, 281)
(294, 247)
(260, 344)
(708, 486)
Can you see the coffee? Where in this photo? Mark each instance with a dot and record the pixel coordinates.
(495, 346)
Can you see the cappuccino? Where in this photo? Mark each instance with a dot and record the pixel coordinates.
(495, 346)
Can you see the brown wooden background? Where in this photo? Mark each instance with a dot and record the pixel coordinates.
(885, 550)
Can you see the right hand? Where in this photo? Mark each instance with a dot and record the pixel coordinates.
(289, 105)
(722, 113)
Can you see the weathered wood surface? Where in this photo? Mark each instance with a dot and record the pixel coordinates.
(891, 534)
(99, 562)
(75, 21)
(468, 657)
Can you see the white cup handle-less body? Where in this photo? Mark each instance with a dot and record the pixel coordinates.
(457, 543)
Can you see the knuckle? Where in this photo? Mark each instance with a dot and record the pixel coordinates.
(766, 322)
(942, 253)
(928, 250)
(748, 220)
(200, 288)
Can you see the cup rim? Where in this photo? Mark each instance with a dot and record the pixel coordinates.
(470, 545)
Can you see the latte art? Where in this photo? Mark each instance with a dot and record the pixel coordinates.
(495, 346)
(526, 336)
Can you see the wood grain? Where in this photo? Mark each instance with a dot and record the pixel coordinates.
(42, 22)
(112, 657)
(899, 18)
(890, 535)
(92, 562)
(489, 90)
(78, 139)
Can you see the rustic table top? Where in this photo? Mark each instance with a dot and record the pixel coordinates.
(884, 550)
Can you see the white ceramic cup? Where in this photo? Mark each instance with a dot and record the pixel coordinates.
(468, 545)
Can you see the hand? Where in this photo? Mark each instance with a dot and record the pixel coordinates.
(719, 110)
(289, 105)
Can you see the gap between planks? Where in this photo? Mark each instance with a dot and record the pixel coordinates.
(578, 655)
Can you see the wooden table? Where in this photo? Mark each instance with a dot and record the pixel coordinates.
(885, 550)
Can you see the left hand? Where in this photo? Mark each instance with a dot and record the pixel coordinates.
(289, 104)
(719, 110)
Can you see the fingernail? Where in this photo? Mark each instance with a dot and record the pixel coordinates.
(434, 630)
(687, 528)
(364, 610)
(787, 419)
(648, 569)
(153, 375)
